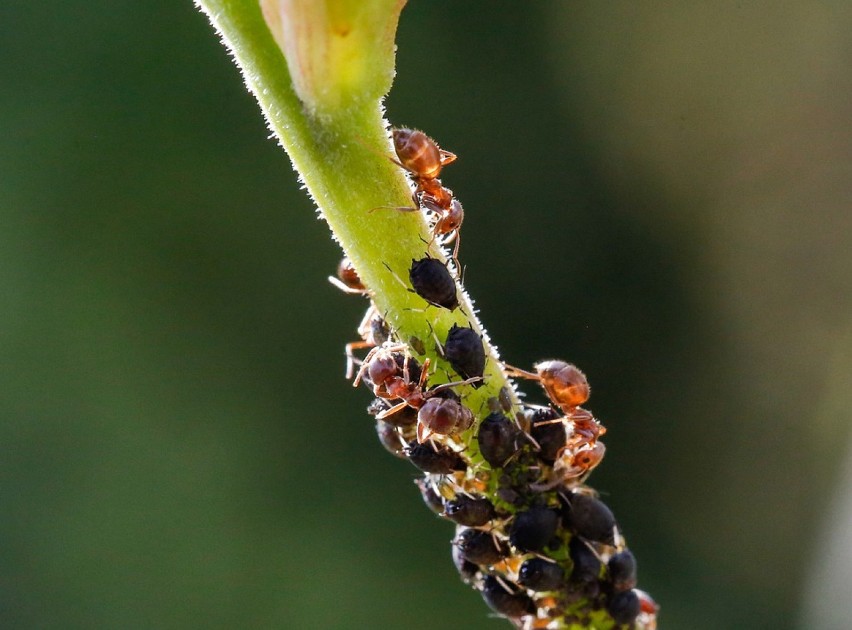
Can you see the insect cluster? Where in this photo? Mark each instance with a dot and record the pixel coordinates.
(538, 544)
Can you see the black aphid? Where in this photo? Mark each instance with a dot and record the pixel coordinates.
(624, 607)
(432, 281)
(479, 547)
(390, 438)
(497, 439)
(589, 517)
(465, 352)
(549, 435)
(533, 529)
(622, 570)
(510, 603)
(584, 580)
(587, 566)
(538, 574)
(441, 461)
(469, 511)
(467, 569)
(379, 330)
(431, 498)
(406, 417)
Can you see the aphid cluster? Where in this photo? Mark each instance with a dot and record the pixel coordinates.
(538, 544)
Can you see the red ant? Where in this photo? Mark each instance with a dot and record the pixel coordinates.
(423, 159)
(421, 156)
(564, 383)
(347, 279)
(373, 329)
(584, 428)
(573, 465)
(382, 367)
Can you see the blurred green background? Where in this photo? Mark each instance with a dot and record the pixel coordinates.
(660, 192)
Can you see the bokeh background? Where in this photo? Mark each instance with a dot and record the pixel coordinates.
(660, 192)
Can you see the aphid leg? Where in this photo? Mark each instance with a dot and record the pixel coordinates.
(398, 279)
(533, 442)
(438, 347)
(503, 584)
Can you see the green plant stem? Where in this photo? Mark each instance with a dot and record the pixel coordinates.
(342, 156)
(331, 125)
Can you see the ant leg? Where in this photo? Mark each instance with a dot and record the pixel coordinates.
(546, 422)
(364, 366)
(346, 289)
(364, 327)
(440, 388)
(350, 355)
(375, 151)
(457, 244)
(513, 371)
(370, 355)
(447, 157)
(398, 279)
(423, 433)
(398, 208)
(424, 373)
(389, 412)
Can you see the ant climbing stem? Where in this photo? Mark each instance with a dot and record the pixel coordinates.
(423, 159)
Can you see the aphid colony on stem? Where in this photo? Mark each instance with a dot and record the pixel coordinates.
(538, 544)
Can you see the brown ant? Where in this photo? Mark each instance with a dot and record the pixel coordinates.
(347, 279)
(421, 156)
(373, 329)
(573, 465)
(382, 367)
(564, 383)
(584, 428)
